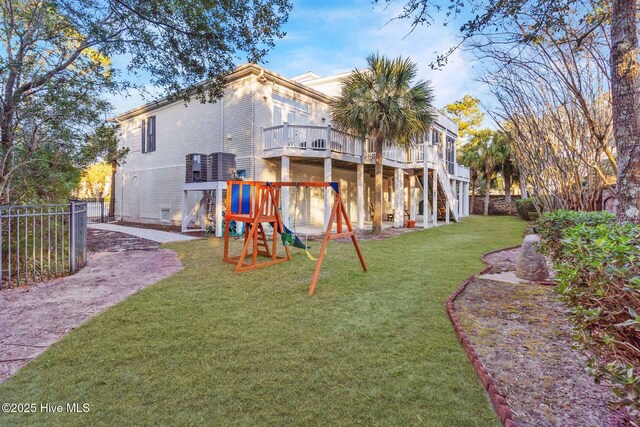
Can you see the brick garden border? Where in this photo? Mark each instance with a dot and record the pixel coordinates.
(498, 400)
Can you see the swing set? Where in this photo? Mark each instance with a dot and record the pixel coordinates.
(255, 203)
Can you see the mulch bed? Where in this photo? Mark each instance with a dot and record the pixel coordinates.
(522, 335)
(111, 241)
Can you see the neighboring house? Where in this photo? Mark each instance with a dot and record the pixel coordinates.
(280, 130)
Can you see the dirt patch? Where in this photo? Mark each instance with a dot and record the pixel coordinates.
(35, 317)
(111, 241)
(523, 336)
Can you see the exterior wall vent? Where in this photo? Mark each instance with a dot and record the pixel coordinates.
(165, 215)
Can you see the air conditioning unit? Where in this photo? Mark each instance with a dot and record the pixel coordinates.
(196, 166)
(221, 166)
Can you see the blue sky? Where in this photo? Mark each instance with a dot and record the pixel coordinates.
(333, 36)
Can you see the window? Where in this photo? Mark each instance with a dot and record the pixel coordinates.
(148, 134)
(277, 115)
(143, 136)
(165, 214)
(296, 112)
(435, 137)
(450, 154)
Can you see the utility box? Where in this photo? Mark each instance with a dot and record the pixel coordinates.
(197, 167)
(221, 166)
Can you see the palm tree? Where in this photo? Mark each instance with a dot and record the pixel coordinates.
(491, 158)
(470, 158)
(381, 103)
(507, 168)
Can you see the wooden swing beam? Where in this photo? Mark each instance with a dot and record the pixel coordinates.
(260, 206)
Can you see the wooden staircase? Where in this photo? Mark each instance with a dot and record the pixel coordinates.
(446, 197)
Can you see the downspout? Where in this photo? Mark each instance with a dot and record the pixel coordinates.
(222, 137)
(253, 130)
(121, 176)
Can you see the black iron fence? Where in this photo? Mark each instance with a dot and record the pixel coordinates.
(41, 242)
(100, 209)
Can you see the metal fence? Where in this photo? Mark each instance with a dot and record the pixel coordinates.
(100, 209)
(41, 242)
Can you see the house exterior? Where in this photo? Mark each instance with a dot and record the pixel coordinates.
(279, 129)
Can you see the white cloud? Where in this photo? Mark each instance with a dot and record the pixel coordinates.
(339, 39)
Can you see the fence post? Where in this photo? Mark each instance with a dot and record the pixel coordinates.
(101, 199)
(72, 236)
(84, 235)
(1, 235)
(112, 208)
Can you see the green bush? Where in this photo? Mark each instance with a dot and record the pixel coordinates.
(552, 225)
(597, 262)
(524, 206)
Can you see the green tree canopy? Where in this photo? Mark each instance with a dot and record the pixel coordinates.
(55, 65)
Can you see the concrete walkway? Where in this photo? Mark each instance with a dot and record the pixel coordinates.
(145, 233)
(35, 317)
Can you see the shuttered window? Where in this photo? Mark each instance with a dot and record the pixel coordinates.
(148, 135)
(143, 136)
(151, 134)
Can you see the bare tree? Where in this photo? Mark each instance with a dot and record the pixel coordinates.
(555, 106)
(541, 18)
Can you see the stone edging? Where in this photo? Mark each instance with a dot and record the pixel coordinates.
(498, 400)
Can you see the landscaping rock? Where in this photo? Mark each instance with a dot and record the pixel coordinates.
(531, 265)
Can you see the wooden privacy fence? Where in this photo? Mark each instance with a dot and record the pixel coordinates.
(41, 242)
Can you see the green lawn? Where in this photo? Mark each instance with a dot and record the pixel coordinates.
(207, 346)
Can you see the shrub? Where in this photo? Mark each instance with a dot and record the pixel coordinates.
(524, 206)
(598, 269)
(552, 225)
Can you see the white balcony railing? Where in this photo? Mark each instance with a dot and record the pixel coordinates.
(463, 172)
(392, 153)
(294, 139)
(305, 137)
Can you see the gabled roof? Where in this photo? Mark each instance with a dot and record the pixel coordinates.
(240, 72)
(309, 75)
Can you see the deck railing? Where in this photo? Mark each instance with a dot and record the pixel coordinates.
(306, 137)
(322, 138)
(41, 242)
(404, 155)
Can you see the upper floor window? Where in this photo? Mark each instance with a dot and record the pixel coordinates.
(289, 110)
(451, 153)
(148, 134)
(435, 137)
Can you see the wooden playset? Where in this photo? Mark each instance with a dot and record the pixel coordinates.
(255, 203)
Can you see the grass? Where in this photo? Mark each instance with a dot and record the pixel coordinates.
(207, 346)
